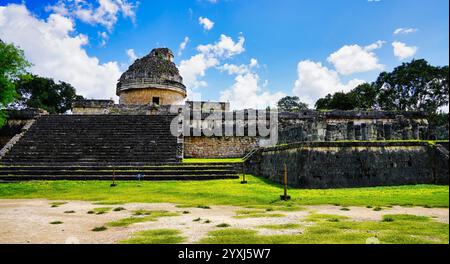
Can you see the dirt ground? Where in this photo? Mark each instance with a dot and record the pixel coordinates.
(28, 221)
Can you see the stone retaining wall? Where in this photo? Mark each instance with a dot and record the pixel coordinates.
(351, 164)
(218, 147)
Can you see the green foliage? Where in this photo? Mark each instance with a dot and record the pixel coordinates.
(44, 93)
(223, 225)
(57, 204)
(101, 210)
(156, 236)
(438, 119)
(361, 97)
(364, 96)
(413, 86)
(140, 216)
(291, 104)
(12, 65)
(281, 227)
(99, 228)
(329, 229)
(255, 214)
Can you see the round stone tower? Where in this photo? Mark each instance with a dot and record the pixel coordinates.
(152, 79)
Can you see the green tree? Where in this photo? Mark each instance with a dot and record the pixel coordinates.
(337, 101)
(413, 86)
(291, 104)
(44, 93)
(12, 65)
(364, 96)
(324, 103)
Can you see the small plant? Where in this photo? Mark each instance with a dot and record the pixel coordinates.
(345, 209)
(377, 208)
(186, 212)
(333, 220)
(69, 212)
(197, 219)
(142, 212)
(56, 223)
(90, 212)
(269, 209)
(207, 221)
(388, 219)
(369, 206)
(118, 209)
(99, 228)
(101, 210)
(203, 207)
(223, 225)
(57, 204)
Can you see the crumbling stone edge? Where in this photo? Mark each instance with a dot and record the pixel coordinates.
(16, 138)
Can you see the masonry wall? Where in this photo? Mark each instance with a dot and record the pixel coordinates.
(16, 120)
(144, 96)
(352, 164)
(218, 147)
(352, 125)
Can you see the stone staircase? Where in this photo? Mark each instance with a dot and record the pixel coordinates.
(191, 171)
(97, 139)
(103, 147)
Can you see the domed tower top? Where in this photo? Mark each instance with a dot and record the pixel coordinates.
(153, 78)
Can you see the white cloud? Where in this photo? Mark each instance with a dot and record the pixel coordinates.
(316, 81)
(206, 23)
(55, 52)
(405, 31)
(194, 68)
(104, 37)
(401, 51)
(354, 58)
(105, 13)
(183, 45)
(209, 56)
(239, 69)
(131, 55)
(247, 93)
(225, 47)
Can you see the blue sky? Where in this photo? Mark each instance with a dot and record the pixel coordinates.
(291, 42)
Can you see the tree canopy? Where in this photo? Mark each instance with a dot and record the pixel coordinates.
(361, 97)
(44, 93)
(411, 86)
(291, 104)
(12, 65)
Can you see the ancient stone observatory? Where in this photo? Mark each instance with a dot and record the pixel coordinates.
(152, 79)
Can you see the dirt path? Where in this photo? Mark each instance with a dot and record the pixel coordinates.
(28, 221)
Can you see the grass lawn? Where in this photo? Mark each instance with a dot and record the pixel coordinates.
(329, 229)
(156, 236)
(258, 193)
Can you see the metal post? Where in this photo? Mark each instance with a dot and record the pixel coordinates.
(285, 197)
(243, 174)
(113, 184)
